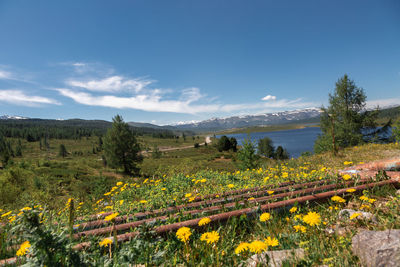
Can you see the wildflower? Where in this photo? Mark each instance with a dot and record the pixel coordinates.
(143, 201)
(119, 183)
(346, 177)
(244, 246)
(111, 217)
(350, 190)
(364, 198)
(231, 186)
(258, 246)
(121, 202)
(6, 214)
(298, 217)
(251, 198)
(338, 199)
(371, 200)
(293, 210)
(204, 221)
(348, 163)
(188, 195)
(23, 248)
(312, 218)
(203, 180)
(270, 192)
(300, 228)
(265, 217)
(354, 215)
(210, 237)
(271, 242)
(191, 199)
(183, 234)
(26, 208)
(365, 207)
(105, 242)
(163, 189)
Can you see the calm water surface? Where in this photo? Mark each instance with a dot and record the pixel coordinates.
(295, 141)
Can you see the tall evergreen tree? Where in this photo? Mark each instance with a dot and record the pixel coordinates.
(120, 146)
(345, 117)
(265, 147)
(62, 151)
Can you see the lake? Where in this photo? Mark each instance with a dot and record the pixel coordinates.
(295, 141)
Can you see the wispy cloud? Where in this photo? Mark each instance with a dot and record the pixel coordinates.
(19, 97)
(5, 75)
(111, 84)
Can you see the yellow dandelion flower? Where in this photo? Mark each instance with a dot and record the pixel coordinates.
(231, 185)
(265, 217)
(365, 207)
(188, 195)
(121, 202)
(251, 198)
(338, 199)
(270, 192)
(120, 183)
(271, 242)
(298, 217)
(183, 234)
(300, 228)
(312, 218)
(204, 221)
(105, 242)
(293, 210)
(210, 237)
(111, 217)
(346, 177)
(258, 246)
(350, 190)
(354, 215)
(143, 201)
(348, 163)
(6, 214)
(23, 249)
(163, 189)
(244, 246)
(371, 200)
(364, 198)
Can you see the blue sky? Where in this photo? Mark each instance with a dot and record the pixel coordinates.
(170, 61)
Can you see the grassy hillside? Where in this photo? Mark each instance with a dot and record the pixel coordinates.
(231, 243)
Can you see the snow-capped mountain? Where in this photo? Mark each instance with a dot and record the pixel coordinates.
(252, 120)
(8, 117)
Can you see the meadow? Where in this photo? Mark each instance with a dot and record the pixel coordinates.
(43, 222)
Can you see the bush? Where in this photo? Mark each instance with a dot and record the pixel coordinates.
(265, 147)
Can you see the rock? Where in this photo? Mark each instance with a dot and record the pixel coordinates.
(377, 248)
(346, 213)
(276, 257)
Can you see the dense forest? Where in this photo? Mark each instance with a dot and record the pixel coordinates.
(34, 129)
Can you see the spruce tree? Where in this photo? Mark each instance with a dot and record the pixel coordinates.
(265, 147)
(121, 148)
(345, 117)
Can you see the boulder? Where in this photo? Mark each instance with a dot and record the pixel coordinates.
(346, 213)
(377, 248)
(276, 257)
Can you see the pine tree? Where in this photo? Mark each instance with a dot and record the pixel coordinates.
(62, 151)
(18, 149)
(121, 148)
(342, 122)
(265, 147)
(247, 155)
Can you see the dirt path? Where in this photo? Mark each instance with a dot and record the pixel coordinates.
(207, 140)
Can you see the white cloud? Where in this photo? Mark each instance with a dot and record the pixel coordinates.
(269, 97)
(111, 84)
(20, 98)
(5, 74)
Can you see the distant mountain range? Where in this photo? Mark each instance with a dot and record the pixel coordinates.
(214, 124)
(309, 115)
